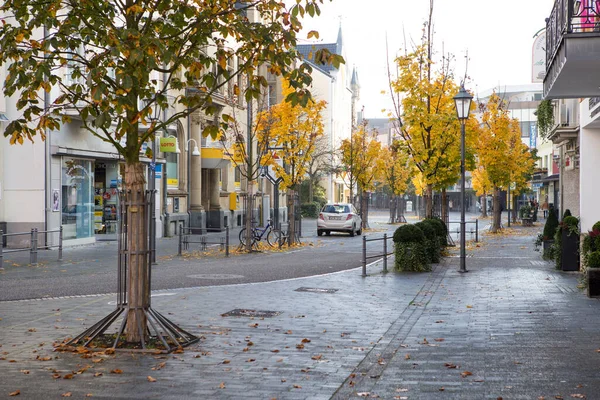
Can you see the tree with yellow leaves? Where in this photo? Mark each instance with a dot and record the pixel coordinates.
(501, 152)
(362, 158)
(482, 186)
(294, 130)
(396, 173)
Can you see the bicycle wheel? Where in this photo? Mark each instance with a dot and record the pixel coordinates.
(243, 237)
(273, 237)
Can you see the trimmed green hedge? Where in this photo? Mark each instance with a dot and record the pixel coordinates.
(409, 233)
(431, 241)
(440, 229)
(410, 249)
(551, 225)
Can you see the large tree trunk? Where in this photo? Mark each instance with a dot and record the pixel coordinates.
(429, 202)
(365, 209)
(138, 291)
(393, 208)
(496, 212)
(310, 190)
(249, 214)
(513, 209)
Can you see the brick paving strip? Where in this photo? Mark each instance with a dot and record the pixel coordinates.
(365, 375)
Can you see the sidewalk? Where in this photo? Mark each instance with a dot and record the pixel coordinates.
(511, 328)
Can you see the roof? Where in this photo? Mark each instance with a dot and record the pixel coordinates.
(309, 50)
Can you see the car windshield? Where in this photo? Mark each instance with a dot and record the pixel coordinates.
(336, 209)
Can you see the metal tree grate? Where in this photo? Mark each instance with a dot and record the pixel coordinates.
(241, 312)
(158, 330)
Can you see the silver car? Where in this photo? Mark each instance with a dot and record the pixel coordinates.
(339, 217)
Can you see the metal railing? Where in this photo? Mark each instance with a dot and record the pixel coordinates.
(187, 235)
(567, 17)
(472, 232)
(33, 244)
(385, 253)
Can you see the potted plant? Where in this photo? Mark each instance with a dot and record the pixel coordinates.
(566, 243)
(591, 260)
(409, 249)
(547, 236)
(431, 241)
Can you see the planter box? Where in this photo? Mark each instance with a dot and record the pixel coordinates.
(593, 289)
(569, 257)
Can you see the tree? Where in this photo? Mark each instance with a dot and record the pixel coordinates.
(395, 173)
(294, 130)
(103, 58)
(501, 151)
(320, 164)
(482, 186)
(426, 114)
(361, 157)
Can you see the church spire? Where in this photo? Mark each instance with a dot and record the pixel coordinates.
(338, 44)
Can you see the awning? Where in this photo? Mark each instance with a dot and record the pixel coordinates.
(551, 178)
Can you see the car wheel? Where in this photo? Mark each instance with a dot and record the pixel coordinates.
(352, 231)
(319, 232)
(328, 233)
(359, 232)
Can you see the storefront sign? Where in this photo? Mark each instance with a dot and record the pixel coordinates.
(158, 171)
(172, 181)
(168, 144)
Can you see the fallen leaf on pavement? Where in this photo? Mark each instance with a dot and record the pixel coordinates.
(274, 351)
(226, 361)
(300, 346)
(407, 357)
(68, 394)
(15, 393)
(317, 357)
(450, 365)
(466, 373)
(297, 387)
(98, 374)
(159, 366)
(222, 385)
(287, 333)
(25, 371)
(116, 371)
(305, 340)
(439, 339)
(151, 379)
(578, 396)
(469, 306)
(251, 360)
(68, 376)
(424, 341)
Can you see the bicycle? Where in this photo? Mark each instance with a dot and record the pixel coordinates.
(273, 236)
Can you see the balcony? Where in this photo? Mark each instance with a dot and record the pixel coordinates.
(567, 121)
(573, 50)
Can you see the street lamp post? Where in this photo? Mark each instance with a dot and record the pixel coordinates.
(462, 102)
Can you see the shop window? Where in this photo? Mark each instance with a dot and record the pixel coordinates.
(77, 199)
(172, 170)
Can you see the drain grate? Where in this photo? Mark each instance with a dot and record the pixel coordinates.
(241, 312)
(316, 290)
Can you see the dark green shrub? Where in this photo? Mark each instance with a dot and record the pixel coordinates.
(410, 249)
(525, 211)
(411, 256)
(310, 210)
(551, 225)
(593, 259)
(567, 213)
(408, 233)
(440, 230)
(431, 241)
(596, 226)
(571, 224)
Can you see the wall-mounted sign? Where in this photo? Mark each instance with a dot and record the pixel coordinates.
(538, 61)
(172, 182)
(168, 144)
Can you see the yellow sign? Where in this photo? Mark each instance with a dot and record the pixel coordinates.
(172, 182)
(168, 144)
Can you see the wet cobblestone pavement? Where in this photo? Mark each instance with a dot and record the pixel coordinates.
(513, 327)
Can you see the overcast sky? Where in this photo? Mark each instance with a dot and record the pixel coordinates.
(498, 36)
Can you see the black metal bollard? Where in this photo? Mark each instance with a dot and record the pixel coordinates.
(179, 249)
(385, 255)
(33, 249)
(227, 241)
(1, 245)
(364, 257)
(60, 243)
(476, 230)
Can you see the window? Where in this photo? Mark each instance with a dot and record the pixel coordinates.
(77, 199)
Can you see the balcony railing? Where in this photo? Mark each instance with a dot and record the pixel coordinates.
(568, 17)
